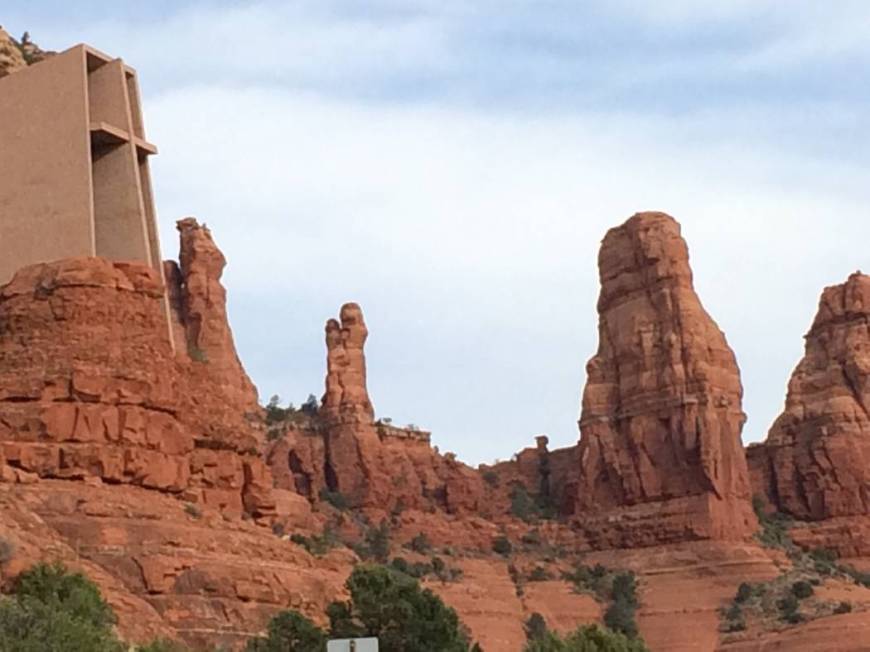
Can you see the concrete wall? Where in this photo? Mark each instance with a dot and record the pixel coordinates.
(74, 178)
(45, 174)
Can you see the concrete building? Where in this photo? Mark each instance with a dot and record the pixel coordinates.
(74, 177)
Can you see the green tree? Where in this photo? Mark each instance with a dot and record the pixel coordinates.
(290, 630)
(535, 627)
(28, 625)
(72, 593)
(53, 610)
(392, 606)
(620, 615)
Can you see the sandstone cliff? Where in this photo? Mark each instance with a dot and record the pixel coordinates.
(660, 451)
(815, 463)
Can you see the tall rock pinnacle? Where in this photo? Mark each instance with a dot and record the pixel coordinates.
(661, 415)
(816, 459)
(346, 397)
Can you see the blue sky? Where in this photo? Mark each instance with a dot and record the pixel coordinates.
(453, 166)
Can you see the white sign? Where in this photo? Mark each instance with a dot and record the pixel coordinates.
(353, 645)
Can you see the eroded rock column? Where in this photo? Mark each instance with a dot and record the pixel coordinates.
(660, 451)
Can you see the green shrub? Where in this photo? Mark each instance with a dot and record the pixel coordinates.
(376, 544)
(590, 638)
(401, 565)
(744, 592)
(591, 579)
(420, 543)
(317, 545)
(620, 617)
(859, 577)
(275, 413)
(824, 561)
(774, 527)
(734, 621)
(539, 574)
(522, 504)
(843, 608)
(531, 538)
(788, 609)
(491, 478)
(802, 590)
(393, 607)
(290, 630)
(7, 551)
(196, 354)
(192, 510)
(62, 590)
(502, 546)
(28, 625)
(163, 645)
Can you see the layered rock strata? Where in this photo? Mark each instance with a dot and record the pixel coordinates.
(815, 463)
(660, 452)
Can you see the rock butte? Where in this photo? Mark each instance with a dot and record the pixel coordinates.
(149, 464)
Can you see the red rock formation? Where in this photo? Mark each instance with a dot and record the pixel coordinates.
(346, 398)
(372, 465)
(815, 463)
(547, 476)
(202, 305)
(90, 388)
(11, 58)
(660, 452)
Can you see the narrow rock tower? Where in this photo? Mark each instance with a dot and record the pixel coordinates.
(660, 452)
